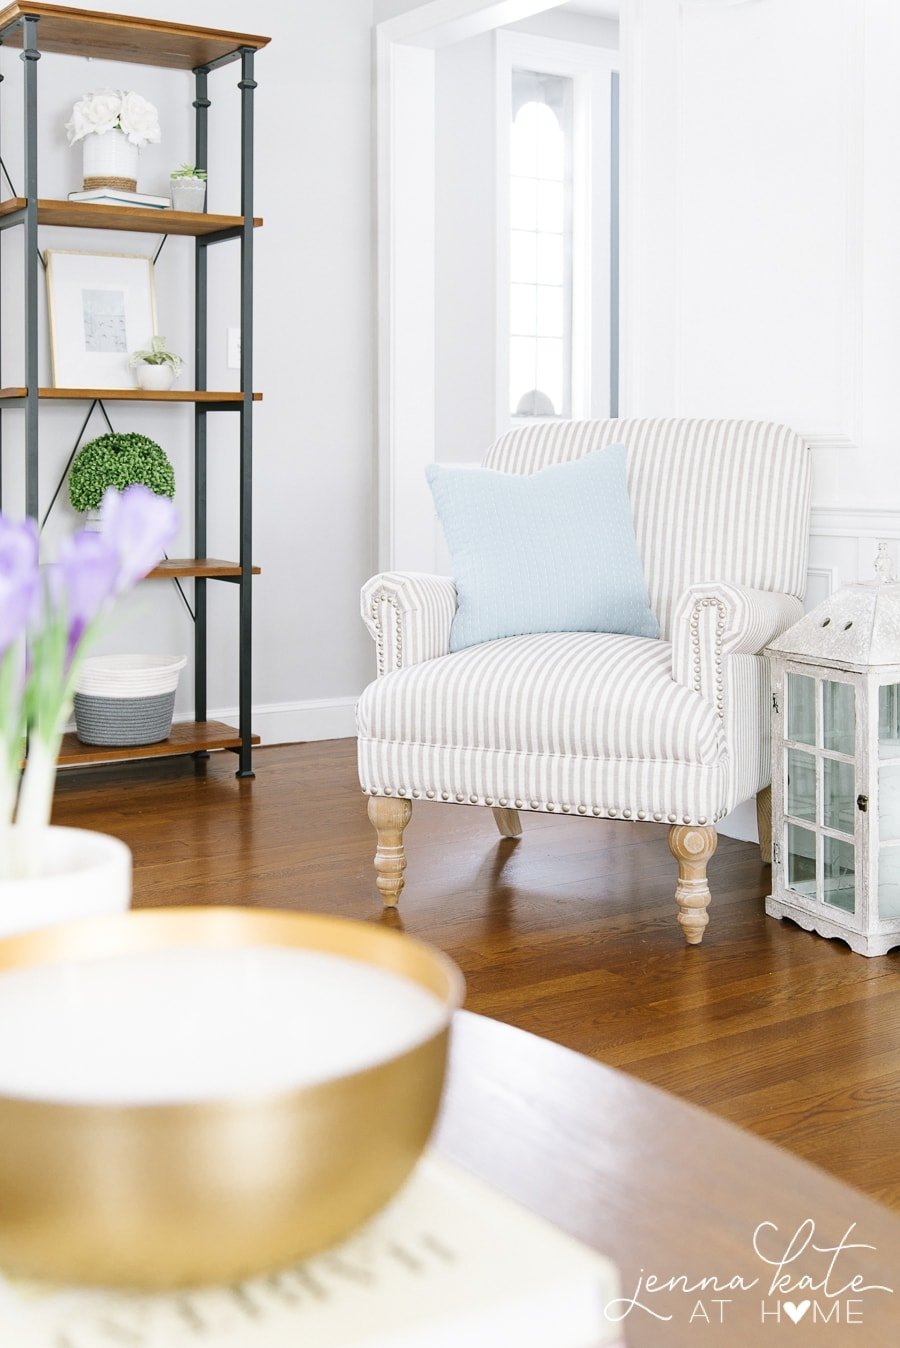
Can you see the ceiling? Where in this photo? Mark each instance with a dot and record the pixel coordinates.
(598, 9)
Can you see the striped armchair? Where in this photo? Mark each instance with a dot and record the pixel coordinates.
(583, 723)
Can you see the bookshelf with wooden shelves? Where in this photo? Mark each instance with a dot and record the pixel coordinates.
(37, 28)
(132, 219)
(131, 395)
(210, 568)
(187, 737)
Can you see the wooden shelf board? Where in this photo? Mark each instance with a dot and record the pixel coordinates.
(180, 567)
(187, 737)
(134, 395)
(119, 37)
(137, 219)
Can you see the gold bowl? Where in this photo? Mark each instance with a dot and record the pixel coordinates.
(209, 1190)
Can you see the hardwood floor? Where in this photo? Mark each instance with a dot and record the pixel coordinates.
(569, 932)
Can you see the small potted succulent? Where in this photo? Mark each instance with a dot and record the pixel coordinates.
(118, 459)
(156, 368)
(188, 188)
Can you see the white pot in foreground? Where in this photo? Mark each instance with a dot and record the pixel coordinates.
(83, 874)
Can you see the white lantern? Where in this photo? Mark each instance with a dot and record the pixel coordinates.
(836, 766)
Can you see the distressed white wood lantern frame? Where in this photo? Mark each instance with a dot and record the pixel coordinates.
(836, 767)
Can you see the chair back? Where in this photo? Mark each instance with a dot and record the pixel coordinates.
(712, 500)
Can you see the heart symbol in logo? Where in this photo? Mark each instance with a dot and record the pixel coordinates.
(796, 1312)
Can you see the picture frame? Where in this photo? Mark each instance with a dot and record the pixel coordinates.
(101, 307)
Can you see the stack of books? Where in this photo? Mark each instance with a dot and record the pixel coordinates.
(449, 1262)
(113, 196)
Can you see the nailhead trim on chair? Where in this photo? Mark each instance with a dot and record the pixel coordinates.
(545, 807)
(384, 597)
(697, 681)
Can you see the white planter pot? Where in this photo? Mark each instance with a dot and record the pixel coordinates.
(188, 194)
(83, 874)
(155, 378)
(109, 160)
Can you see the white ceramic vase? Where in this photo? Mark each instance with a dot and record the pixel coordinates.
(109, 160)
(155, 378)
(83, 874)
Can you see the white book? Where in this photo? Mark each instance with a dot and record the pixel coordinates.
(449, 1262)
(114, 196)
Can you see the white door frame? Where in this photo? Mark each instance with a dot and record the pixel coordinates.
(405, 154)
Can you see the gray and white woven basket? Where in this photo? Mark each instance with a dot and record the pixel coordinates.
(123, 700)
(124, 720)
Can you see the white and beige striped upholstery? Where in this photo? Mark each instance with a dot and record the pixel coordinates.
(409, 615)
(675, 729)
(546, 722)
(712, 500)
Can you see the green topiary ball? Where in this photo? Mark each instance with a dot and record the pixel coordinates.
(118, 460)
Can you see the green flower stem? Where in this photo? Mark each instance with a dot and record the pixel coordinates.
(48, 701)
(7, 805)
(35, 803)
(12, 749)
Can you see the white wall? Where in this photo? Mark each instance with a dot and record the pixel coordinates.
(567, 27)
(762, 271)
(465, 249)
(314, 345)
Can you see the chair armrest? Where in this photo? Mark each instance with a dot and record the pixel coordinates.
(409, 615)
(714, 620)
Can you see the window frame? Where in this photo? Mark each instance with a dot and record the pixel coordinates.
(590, 69)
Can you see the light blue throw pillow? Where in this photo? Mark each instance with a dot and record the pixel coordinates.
(552, 551)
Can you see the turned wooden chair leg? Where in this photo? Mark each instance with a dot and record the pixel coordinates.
(764, 823)
(692, 847)
(507, 821)
(389, 816)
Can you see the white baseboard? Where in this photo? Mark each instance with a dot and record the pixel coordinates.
(740, 823)
(296, 722)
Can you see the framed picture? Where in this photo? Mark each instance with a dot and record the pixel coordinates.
(102, 306)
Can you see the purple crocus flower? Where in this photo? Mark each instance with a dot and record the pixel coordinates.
(19, 578)
(84, 582)
(138, 525)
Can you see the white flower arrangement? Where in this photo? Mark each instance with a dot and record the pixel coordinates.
(114, 110)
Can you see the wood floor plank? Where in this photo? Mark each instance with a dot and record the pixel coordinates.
(569, 932)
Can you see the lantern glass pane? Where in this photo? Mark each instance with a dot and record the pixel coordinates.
(839, 868)
(801, 785)
(840, 796)
(889, 802)
(889, 720)
(801, 709)
(838, 716)
(802, 860)
(889, 882)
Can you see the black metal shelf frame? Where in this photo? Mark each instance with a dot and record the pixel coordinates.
(27, 217)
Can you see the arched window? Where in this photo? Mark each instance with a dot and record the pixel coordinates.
(540, 294)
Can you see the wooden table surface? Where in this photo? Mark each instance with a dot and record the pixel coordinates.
(667, 1190)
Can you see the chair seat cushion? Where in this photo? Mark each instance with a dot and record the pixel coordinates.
(576, 694)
